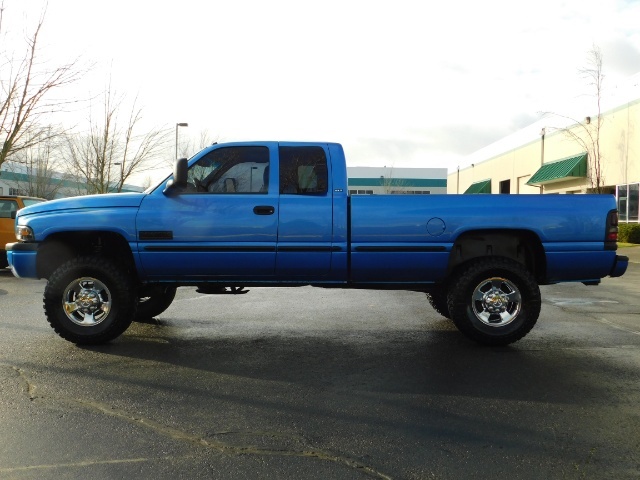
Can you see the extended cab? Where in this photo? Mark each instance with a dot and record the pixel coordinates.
(269, 213)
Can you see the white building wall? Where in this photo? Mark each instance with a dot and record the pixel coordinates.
(619, 147)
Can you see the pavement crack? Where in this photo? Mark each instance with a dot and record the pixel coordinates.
(88, 463)
(180, 435)
(618, 327)
(230, 448)
(29, 386)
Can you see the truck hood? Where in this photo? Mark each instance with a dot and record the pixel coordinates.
(88, 201)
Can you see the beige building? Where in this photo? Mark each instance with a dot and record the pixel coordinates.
(554, 158)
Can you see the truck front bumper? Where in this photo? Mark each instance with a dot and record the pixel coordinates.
(22, 259)
(620, 266)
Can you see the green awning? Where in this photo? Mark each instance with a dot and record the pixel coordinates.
(483, 186)
(565, 169)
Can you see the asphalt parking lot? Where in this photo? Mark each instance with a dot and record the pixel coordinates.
(313, 383)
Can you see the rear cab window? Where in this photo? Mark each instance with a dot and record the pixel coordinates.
(303, 170)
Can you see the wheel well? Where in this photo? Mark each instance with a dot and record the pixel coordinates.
(520, 245)
(62, 247)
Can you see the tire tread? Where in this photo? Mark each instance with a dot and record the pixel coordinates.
(464, 280)
(120, 285)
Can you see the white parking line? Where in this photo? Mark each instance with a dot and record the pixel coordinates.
(611, 324)
(564, 302)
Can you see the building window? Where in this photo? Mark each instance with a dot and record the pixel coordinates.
(628, 202)
(633, 202)
(16, 191)
(505, 186)
(360, 192)
(410, 192)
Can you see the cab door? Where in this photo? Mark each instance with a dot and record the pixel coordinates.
(222, 226)
(305, 213)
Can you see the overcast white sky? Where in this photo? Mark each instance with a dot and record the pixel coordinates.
(398, 83)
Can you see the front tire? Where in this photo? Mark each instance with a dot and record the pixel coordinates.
(494, 301)
(89, 300)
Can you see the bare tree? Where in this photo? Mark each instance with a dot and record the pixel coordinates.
(190, 147)
(390, 184)
(36, 168)
(112, 150)
(26, 85)
(586, 132)
(146, 183)
(593, 74)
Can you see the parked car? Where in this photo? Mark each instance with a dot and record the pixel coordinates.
(9, 205)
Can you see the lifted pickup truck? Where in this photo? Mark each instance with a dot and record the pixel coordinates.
(269, 213)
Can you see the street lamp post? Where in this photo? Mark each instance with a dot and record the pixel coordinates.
(121, 179)
(181, 124)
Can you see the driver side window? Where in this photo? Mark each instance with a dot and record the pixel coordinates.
(230, 170)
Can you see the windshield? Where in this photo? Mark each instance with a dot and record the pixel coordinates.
(166, 177)
(31, 201)
(155, 185)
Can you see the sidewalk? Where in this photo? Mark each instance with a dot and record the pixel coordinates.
(632, 252)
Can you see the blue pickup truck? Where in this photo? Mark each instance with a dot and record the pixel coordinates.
(279, 214)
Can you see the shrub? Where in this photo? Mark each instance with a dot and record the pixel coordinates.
(629, 232)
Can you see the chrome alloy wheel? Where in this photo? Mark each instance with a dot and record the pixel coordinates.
(496, 302)
(86, 301)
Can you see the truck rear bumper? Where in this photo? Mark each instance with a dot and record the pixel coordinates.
(22, 259)
(620, 266)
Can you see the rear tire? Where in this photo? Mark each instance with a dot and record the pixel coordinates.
(89, 300)
(494, 301)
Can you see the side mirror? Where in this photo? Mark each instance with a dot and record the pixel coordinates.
(14, 214)
(179, 180)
